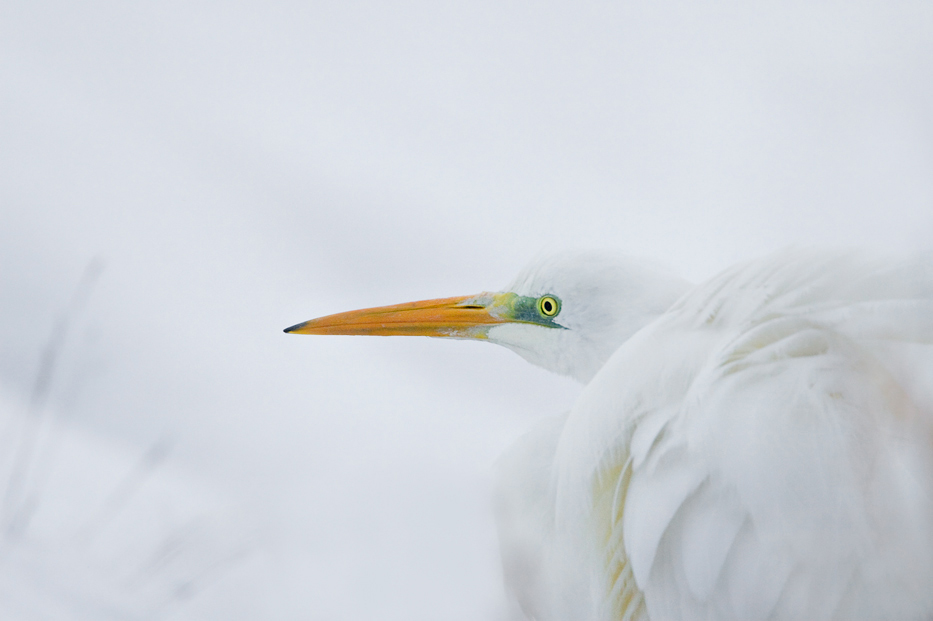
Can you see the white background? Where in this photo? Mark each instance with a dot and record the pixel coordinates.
(240, 167)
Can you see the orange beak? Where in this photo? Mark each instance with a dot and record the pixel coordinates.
(460, 317)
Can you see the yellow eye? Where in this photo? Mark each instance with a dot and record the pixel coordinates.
(548, 306)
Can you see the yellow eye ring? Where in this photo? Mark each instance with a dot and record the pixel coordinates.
(548, 306)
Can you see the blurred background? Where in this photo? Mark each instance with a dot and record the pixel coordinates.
(179, 181)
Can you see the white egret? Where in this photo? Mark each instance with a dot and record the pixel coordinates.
(759, 446)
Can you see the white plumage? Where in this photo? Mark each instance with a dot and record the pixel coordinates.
(761, 450)
(756, 447)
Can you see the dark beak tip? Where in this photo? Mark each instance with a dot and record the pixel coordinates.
(290, 329)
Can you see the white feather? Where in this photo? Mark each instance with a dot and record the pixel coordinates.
(762, 448)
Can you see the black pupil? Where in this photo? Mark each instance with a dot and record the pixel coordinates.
(547, 306)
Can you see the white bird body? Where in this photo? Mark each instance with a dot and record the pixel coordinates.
(760, 448)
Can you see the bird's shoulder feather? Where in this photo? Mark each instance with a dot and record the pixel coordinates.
(764, 449)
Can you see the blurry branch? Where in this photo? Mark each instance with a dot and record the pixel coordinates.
(195, 582)
(18, 503)
(186, 559)
(186, 564)
(124, 491)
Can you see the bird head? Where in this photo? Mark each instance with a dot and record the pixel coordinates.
(566, 313)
